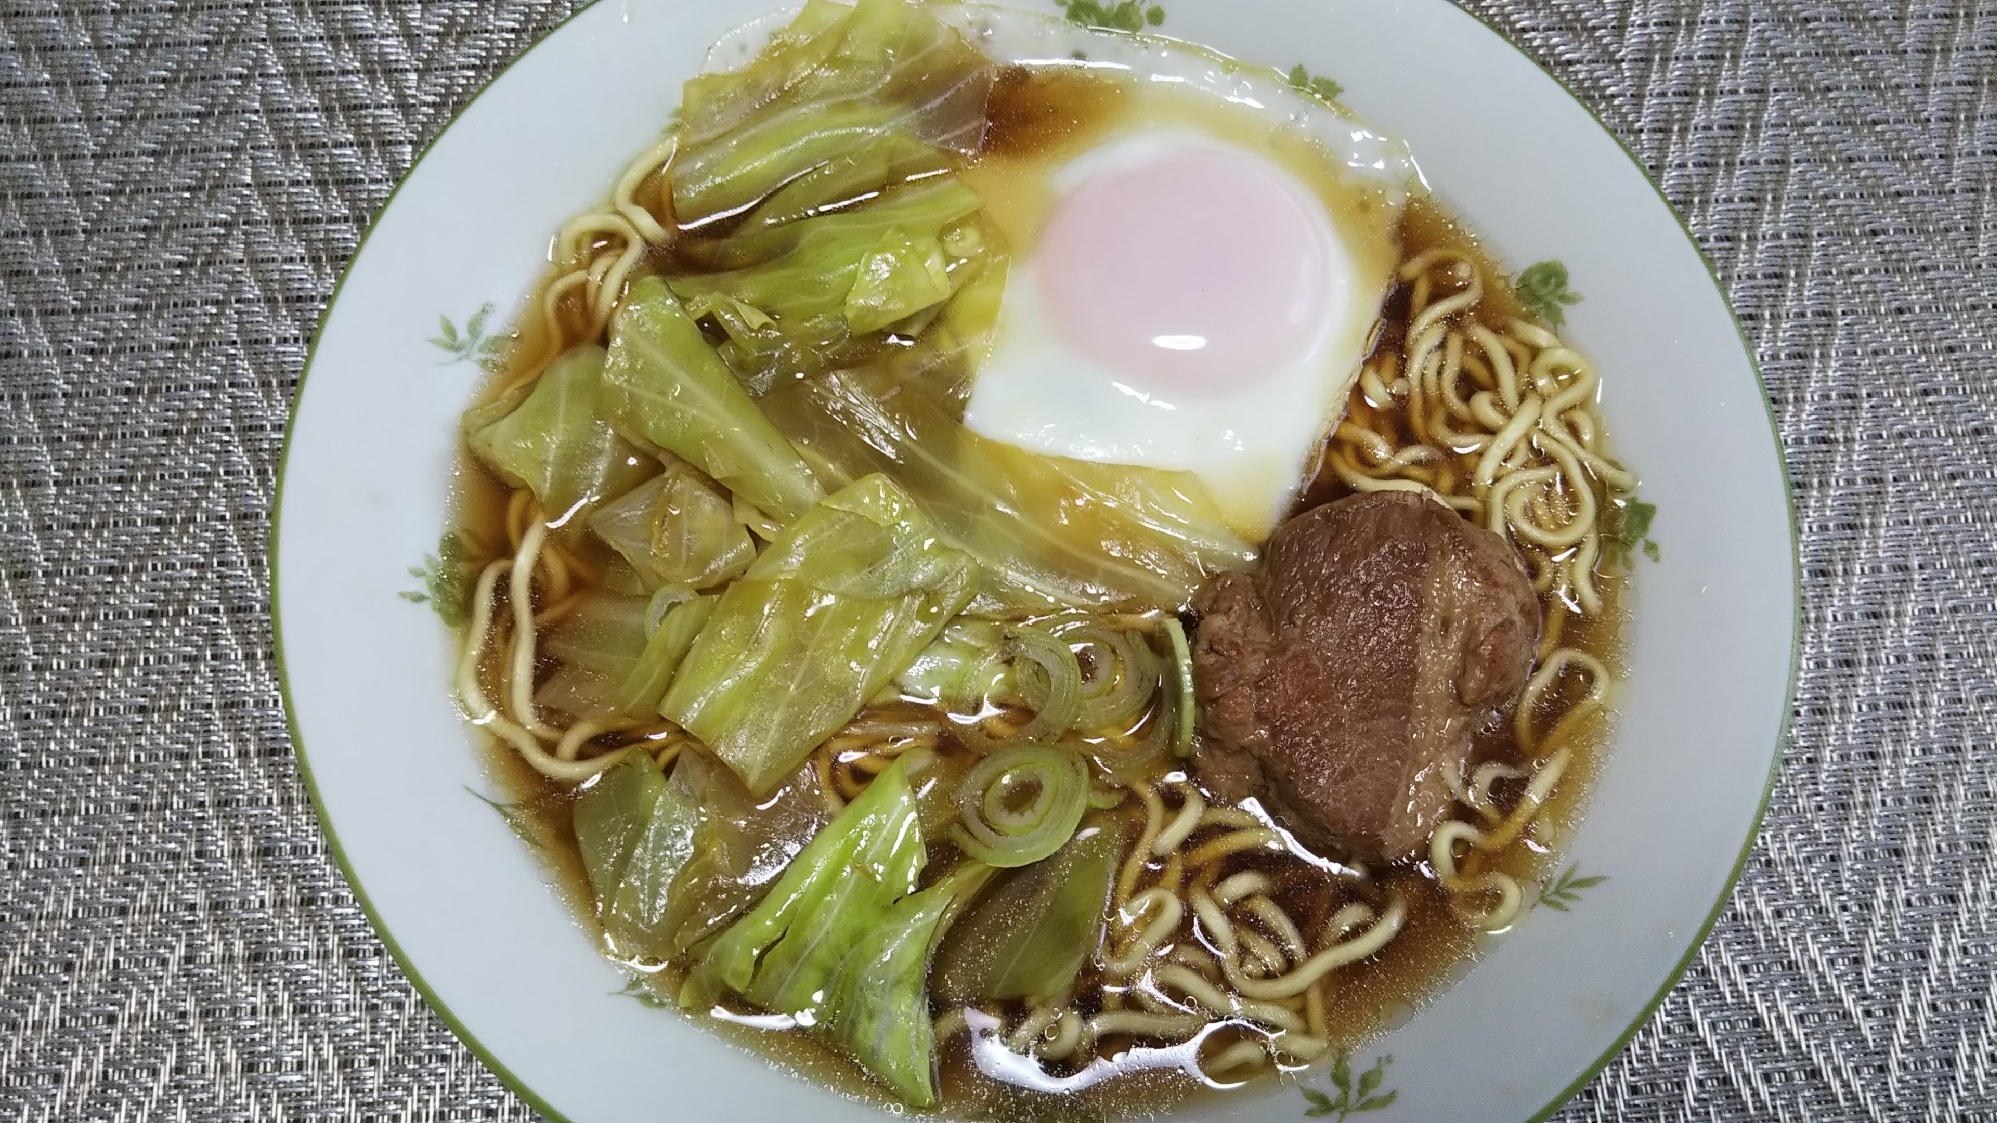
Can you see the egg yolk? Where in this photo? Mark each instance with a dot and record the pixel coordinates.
(1196, 270)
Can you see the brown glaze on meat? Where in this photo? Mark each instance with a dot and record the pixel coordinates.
(1342, 680)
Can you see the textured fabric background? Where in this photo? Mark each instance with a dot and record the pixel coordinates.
(181, 183)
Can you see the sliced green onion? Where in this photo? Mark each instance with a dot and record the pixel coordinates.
(1182, 668)
(996, 828)
(1119, 675)
(1048, 678)
(1120, 757)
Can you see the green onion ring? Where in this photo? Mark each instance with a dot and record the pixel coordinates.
(994, 833)
(1182, 671)
(1120, 761)
(1119, 677)
(1050, 680)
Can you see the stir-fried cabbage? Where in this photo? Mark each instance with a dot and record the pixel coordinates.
(836, 82)
(825, 618)
(844, 939)
(635, 831)
(677, 529)
(556, 444)
(1050, 532)
(1029, 936)
(614, 661)
(740, 848)
(817, 266)
(878, 1004)
(645, 684)
(665, 384)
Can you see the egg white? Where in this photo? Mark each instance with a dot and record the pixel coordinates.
(1250, 445)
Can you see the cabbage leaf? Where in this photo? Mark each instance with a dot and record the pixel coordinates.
(555, 442)
(947, 314)
(647, 680)
(809, 268)
(741, 846)
(833, 84)
(1049, 532)
(611, 666)
(878, 166)
(600, 644)
(1029, 937)
(961, 669)
(665, 384)
(677, 529)
(843, 940)
(781, 954)
(635, 831)
(900, 276)
(826, 617)
(878, 1006)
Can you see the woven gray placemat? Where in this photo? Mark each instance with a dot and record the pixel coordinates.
(181, 183)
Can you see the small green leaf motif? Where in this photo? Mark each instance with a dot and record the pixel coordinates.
(1543, 288)
(1318, 86)
(446, 582)
(1351, 1099)
(641, 990)
(1562, 892)
(1119, 15)
(1629, 530)
(472, 344)
(516, 819)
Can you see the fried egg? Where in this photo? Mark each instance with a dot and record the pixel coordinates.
(1199, 255)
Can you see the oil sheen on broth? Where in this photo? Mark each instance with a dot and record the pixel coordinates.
(1037, 119)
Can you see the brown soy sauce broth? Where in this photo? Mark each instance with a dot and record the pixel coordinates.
(1038, 116)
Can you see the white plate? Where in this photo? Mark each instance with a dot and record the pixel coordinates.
(465, 907)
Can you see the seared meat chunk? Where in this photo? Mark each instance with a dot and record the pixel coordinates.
(1343, 680)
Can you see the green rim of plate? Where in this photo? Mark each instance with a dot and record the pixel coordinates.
(533, 1100)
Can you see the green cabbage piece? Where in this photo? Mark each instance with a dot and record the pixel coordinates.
(635, 831)
(949, 320)
(1049, 532)
(555, 442)
(879, 165)
(600, 644)
(900, 276)
(843, 940)
(742, 845)
(665, 384)
(1029, 937)
(783, 952)
(611, 666)
(646, 683)
(961, 668)
(765, 356)
(810, 268)
(824, 619)
(878, 1005)
(677, 529)
(834, 83)
(715, 102)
